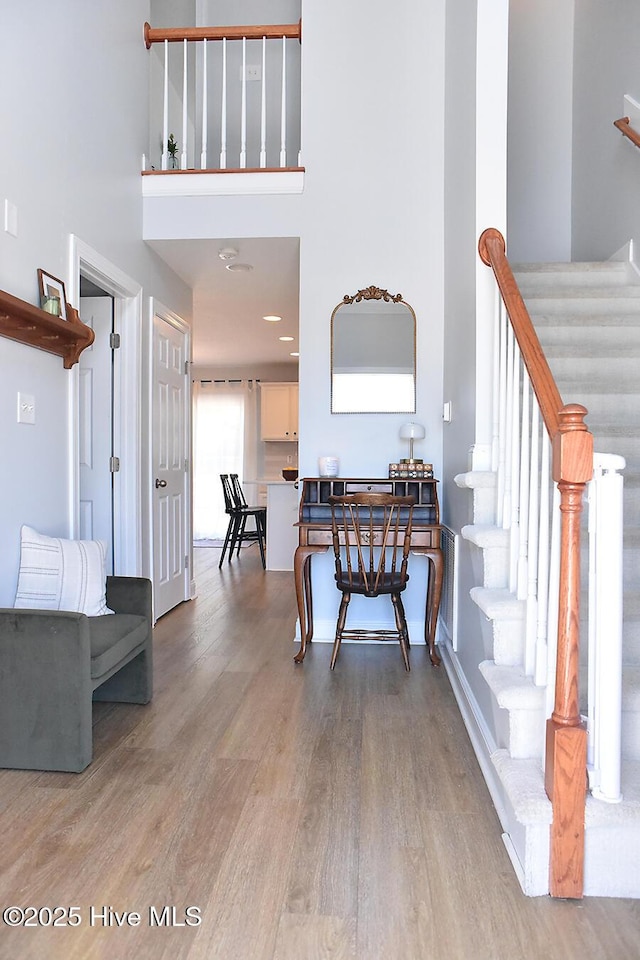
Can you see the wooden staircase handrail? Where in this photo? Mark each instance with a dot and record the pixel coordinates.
(625, 128)
(272, 31)
(492, 250)
(572, 468)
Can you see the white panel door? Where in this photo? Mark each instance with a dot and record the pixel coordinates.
(95, 413)
(169, 466)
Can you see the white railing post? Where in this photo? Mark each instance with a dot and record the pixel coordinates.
(605, 625)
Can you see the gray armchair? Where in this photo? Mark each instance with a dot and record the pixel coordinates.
(54, 663)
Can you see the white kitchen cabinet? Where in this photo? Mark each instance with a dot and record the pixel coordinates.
(282, 514)
(279, 411)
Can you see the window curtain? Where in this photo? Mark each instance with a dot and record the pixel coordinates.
(224, 441)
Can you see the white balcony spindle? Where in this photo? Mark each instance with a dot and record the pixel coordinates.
(243, 108)
(223, 109)
(165, 109)
(263, 107)
(185, 112)
(283, 107)
(205, 109)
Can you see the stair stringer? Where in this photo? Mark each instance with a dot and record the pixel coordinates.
(510, 754)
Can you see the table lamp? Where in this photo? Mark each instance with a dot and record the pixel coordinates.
(412, 431)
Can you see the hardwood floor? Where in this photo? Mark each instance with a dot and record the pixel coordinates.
(306, 814)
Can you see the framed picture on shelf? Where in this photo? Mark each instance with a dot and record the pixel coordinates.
(52, 290)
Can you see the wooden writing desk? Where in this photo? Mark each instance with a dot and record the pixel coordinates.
(314, 533)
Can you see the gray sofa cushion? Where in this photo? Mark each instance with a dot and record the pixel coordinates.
(112, 638)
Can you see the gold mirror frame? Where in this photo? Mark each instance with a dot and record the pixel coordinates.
(373, 353)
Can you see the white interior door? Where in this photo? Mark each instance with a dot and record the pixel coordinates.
(170, 450)
(95, 413)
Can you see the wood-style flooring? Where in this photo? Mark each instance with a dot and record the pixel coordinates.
(305, 814)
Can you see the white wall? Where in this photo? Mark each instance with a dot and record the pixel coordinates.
(606, 166)
(540, 129)
(475, 192)
(74, 123)
(371, 214)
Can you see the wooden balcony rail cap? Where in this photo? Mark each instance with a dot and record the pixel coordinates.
(625, 128)
(272, 31)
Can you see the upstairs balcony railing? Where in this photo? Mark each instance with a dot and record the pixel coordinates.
(224, 99)
(545, 467)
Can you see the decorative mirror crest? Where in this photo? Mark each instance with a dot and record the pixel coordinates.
(373, 353)
(372, 293)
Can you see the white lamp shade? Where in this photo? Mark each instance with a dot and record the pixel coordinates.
(412, 431)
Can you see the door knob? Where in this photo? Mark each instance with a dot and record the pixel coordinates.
(160, 483)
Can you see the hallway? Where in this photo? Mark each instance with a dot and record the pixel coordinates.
(307, 814)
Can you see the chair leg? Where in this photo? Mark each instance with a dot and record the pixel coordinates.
(342, 616)
(261, 539)
(236, 536)
(242, 522)
(226, 539)
(401, 624)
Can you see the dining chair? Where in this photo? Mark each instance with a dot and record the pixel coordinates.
(239, 512)
(371, 535)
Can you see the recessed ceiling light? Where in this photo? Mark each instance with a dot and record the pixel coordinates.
(227, 253)
(272, 318)
(294, 354)
(239, 267)
(288, 339)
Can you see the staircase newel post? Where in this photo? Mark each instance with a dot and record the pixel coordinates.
(566, 753)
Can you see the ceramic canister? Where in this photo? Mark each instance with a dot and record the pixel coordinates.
(328, 466)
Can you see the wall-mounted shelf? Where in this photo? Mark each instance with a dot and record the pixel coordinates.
(25, 323)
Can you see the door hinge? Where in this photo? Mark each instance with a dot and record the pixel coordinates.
(186, 368)
(114, 341)
(186, 465)
(114, 464)
(186, 562)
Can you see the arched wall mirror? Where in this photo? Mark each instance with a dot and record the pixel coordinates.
(373, 354)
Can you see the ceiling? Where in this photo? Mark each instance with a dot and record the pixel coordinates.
(229, 306)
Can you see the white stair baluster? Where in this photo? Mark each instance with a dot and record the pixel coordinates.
(502, 416)
(525, 458)
(514, 526)
(534, 531)
(544, 559)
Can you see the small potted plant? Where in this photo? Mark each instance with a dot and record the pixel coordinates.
(172, 150)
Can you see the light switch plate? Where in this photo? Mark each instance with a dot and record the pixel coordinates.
(10, 218)
(26, 408)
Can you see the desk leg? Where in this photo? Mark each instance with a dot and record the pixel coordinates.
(304, 599)
(434, 595)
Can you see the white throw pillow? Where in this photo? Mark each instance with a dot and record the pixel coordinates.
(60, 574)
